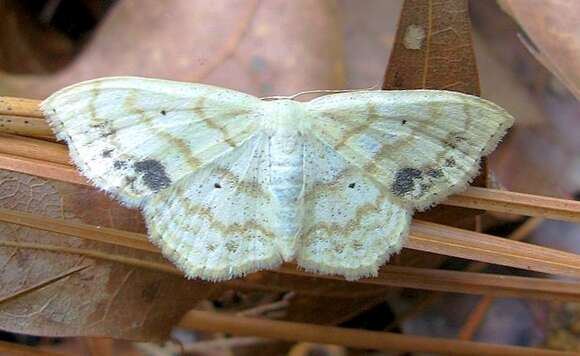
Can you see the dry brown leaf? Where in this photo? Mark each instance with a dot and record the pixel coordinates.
(58, 294)
(433, 48)
(500, 56)
(502, 86)
(552, 27)
(25, 45)
(542, 159)
(307, 286)
(368, 29)
(244, 45)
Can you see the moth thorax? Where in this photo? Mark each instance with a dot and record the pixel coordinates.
(284, 115)
(286, 184)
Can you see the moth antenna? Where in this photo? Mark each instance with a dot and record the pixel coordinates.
(319, 91)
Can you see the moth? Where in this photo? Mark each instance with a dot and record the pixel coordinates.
(230, 184)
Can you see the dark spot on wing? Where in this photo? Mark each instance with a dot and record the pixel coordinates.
(120, 164)
(403, 122)
(351, 185)
(231, 246)
(130, 182)
(154, 175)
(107, 133)
(435, 173)
(217, 185)
(424, 188)
(163, 112)
(105, 129)
(450, 162)
(404, 181)
(453, 141)
(450, 144)
(107, 153)
(210, 247)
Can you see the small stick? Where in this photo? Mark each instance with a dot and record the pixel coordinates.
(424, 236)
(23, 350)
(265, 308)
(292, 331)
(478, 314)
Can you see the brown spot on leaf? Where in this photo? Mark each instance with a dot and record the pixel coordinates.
(154, 175)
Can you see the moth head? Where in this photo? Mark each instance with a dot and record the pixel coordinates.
(285, 115)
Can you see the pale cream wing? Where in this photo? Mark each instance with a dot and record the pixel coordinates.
(350, 226)
(135, 136)
(216, 223)
(421, 145)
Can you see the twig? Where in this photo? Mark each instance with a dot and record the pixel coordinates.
(519, 234)
(99, 346)
(476, 246)
(517, 203)
(205, 347)
(462, 282)
(41, 168)
(408, 277)
(42, 284)
(476, 317)
(23, 350)
(84, 231)
(265, 308)
(139, 263)
(291, 331)
(430, 237)
(20, 107)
